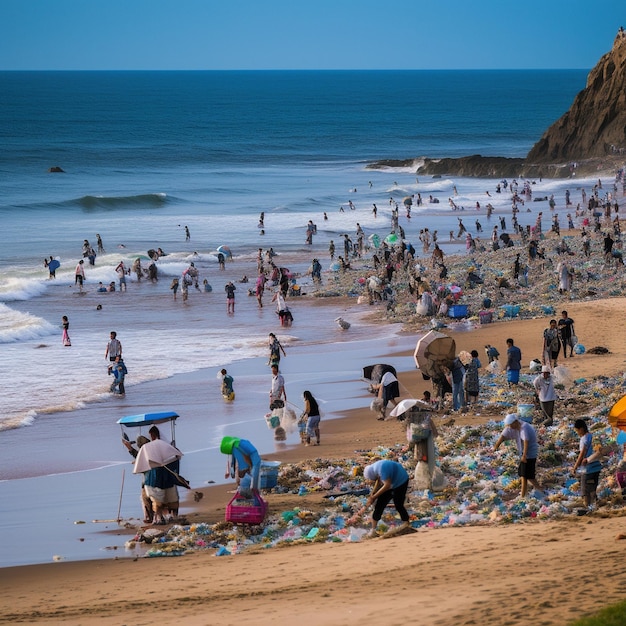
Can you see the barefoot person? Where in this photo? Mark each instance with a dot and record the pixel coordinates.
(391, 481)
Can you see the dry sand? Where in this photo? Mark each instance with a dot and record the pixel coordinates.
(537, 572)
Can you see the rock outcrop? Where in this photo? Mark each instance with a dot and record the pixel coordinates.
(595, 125)
(591, 134)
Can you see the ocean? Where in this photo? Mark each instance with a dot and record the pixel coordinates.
(145, 154)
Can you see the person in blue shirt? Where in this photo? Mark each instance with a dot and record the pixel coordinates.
(589, 468)
(391, 481)
(244, 458)
(513, 362)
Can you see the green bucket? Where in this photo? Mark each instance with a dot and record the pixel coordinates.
(227, 445)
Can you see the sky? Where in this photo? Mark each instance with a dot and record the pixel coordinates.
(306, 34)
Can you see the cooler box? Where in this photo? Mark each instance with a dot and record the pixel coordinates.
(485, 317)
(458, 310)
(269, 474)
(246, 510)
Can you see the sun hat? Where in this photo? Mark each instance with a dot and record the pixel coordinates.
(227, 445)
(545, 368)
(510, 418)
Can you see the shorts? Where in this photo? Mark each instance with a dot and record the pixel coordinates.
(512, 376)
(527, 470)
(78, 280)
(230, 300)
(589, 483)
(162, 497)
(312, 423)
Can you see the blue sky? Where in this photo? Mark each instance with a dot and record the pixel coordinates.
(306, 34)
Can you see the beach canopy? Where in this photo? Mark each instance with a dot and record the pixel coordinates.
(434, 351)
(155, 453)
(617, 414)
(147, 419)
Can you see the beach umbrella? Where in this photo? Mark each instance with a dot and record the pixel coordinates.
(405, 405)
(408, 201)
(434, 351)
(617, 414)
(157, 453)
(374, 373)
(225, 250)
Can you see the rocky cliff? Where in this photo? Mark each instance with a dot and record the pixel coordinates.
(592, 133)
(595, 125)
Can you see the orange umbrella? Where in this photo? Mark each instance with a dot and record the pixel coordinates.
(617, 414)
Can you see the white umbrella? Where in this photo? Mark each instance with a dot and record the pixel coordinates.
(155, 453)
(404, 405)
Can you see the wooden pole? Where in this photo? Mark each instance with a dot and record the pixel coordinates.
(119, 508)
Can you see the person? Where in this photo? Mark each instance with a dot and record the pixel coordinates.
(65, 323)
(544, 386)
(282, 310)
(566, 330)
(99, 244)
(391, 482)
(174, 286)
(275, 349)
(243, 459)
(121, 274)
(277, 390)
(513, 362)
(472, 382)
(227, 386)
(388, 391)
(492, 353)
(229, 288)
(260, 288)
(114, 347)
(331, 249)
(101, 288)
(187, 233)
(589, 469)
(206, 287)
(312, 413)
(119, 371)
(146, 505)
(79, 274)
(551, 344)
(52, 267)
(160, 486)
(528, 453)
(316, 270)
(509, 434)
(565, 275)
(457, 374)
(221, 261)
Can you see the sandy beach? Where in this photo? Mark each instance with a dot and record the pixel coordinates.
(531, 571)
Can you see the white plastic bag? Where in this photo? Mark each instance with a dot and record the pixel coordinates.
(422, 476)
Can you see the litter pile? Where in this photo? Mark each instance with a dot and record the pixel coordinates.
(480, 487)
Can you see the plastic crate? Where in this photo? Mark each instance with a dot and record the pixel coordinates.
(245, 510)
(458, 310)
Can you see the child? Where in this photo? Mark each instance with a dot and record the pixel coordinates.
(66, 327)
(589, 469)
(174, 286)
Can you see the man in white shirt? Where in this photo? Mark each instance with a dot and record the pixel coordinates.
(544, 386)
(277, 390)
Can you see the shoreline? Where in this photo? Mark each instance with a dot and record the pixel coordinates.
(436, 560)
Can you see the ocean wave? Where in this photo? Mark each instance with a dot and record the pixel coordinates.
(18, 326)
(147, 200)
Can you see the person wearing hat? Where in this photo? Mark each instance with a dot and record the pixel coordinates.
(391, 481)
(527, 447)
(146, 504)
(243, 458)
(544, 386)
